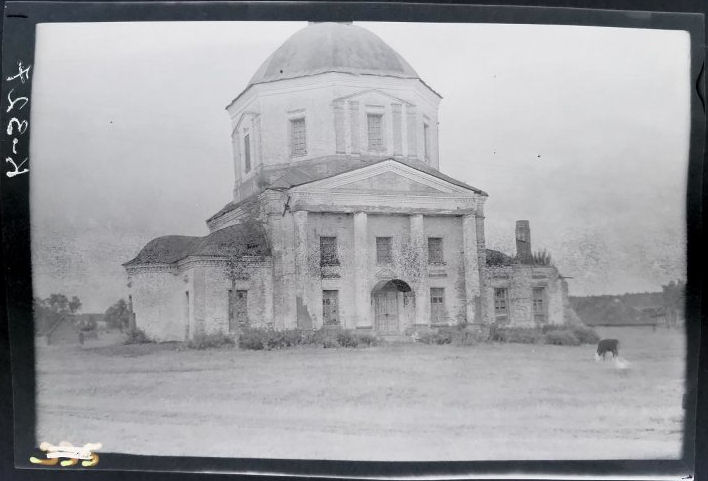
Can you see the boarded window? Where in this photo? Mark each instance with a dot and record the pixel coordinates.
(298, 140)
(328, 251)
(437, 304)
(247, 153)
(374, 124)
(330, 308)
(539, 305)
(426, 140)
(501, 304)
(384, 254)
(435, 250)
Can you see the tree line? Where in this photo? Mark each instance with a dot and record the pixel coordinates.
(59, 307)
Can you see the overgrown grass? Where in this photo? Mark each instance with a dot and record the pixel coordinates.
(561, 337)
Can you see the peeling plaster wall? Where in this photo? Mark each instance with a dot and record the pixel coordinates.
(340, 278)
(451, 275)
(159, 302)
(520, 279)
(165, 312)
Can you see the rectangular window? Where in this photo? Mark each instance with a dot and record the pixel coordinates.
(374, 124)
(384, 254)
(298, 140)
(330, 308)
(247, 153)
(328, 251)
(539, 305)
(501, 304)
(426, 140)
(437, 304)
(435, 250)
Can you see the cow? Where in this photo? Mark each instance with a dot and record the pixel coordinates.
(605, 346)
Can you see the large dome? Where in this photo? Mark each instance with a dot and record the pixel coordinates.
(332, 47)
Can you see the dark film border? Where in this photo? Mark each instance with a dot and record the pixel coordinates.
(18, 45)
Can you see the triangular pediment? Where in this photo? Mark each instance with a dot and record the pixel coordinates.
(388, 182)
(372, 95)
(387, 177)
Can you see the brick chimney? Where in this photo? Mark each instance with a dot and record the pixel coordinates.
(523, 242)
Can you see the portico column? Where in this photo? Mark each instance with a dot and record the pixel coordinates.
(422, 287)
(303, 299)
(471, 263)
(362, 300)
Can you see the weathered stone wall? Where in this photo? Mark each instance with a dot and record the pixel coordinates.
(175, 303)
(159, 302)
(341, 277)
(408, 263)
(450, 275)
(216, 301)
(520, 279)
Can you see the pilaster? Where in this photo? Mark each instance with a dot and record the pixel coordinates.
(411, 130)
(284, 304)
(396, 123)
(362, 302)
(339, 127)
(303, 297)
(422, 286)
(472, 272)
(354, 124)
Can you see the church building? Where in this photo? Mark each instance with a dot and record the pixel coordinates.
(340, 215)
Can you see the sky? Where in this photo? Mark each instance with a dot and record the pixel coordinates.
(583, 131)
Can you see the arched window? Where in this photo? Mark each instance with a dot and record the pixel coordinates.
(247, 153)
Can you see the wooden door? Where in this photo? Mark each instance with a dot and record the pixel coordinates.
(238, 310)
(330, 308)
(386, 311)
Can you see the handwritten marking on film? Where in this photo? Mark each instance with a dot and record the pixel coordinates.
(17, 126)
(71, 454)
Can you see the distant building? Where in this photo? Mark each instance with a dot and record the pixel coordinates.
(62, 332)
(339, 215)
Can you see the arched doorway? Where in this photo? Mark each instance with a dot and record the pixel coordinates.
(393, 305)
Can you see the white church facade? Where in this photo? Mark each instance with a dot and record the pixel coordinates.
(340, 216)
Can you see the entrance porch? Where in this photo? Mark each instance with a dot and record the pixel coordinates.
(392, 307)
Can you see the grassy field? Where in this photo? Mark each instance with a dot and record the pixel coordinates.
(392, 402)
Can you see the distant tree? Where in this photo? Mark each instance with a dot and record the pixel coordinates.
(44, 316)
(118, 315)
(52, 309)
(74, 304)
(674, 295)
(57, 303)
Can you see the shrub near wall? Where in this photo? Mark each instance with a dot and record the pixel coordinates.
(136, 336)
(460, 335)
(210, 341)
(549, 334)
(260, 339)
(561, 337)
(520, 335)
